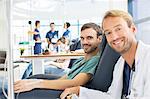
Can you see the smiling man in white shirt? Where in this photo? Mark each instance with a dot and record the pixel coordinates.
(131, 73)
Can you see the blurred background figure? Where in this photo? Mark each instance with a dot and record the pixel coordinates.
(51, 35)
(67, 32)
(37, 38)
(62, 45)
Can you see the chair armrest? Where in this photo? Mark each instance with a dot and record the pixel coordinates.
(40, 93)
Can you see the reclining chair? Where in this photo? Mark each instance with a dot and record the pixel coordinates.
(101, 81)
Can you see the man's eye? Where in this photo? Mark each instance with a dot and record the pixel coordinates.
(82, 38)
(107, 33)
(89, 38)
(118, 29)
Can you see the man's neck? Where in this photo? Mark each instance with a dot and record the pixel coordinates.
(130, 55)
(89, 55)
(52, 30)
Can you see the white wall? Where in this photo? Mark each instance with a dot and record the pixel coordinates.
(3, 26)
(142, 12)
(70, 9)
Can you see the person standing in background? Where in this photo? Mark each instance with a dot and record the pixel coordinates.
(52, 34)
(67, 33)
(37, 38)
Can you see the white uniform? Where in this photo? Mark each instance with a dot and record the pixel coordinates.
(140, 82)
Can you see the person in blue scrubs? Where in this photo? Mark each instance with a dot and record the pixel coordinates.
(67, 33)
(37, 38)
(51, 34)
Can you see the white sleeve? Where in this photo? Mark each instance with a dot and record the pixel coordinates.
(114, 91)
(86, 93)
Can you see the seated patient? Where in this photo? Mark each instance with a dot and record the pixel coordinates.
(58, 67)
(81, 71)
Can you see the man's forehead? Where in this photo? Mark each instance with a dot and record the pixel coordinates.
(111, 27)
(113, 21)
(88, 35)
(88, 31)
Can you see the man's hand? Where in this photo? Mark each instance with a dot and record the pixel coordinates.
(68, 91)
(25, 85)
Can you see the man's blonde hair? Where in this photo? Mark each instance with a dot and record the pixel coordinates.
(118, 13)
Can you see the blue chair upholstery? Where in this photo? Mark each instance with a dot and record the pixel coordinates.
(41, 93)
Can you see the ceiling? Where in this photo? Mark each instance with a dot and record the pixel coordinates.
(60, 9)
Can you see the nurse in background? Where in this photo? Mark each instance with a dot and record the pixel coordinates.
(37, 38)
(51, 34)
(67, 33)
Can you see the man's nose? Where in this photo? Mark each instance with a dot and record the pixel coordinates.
(114, 36)
(85, 41)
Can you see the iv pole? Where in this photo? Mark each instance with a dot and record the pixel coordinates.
(9, 54)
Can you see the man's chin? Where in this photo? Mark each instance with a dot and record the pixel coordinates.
(118, 50)
(85, 51)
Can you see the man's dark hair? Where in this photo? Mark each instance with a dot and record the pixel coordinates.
(67, 24)
(94, 26)
(29, 22)
(37, 22)
(52, 23)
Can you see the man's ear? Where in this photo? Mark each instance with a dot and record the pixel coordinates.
(100, 38)
(133, 28)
